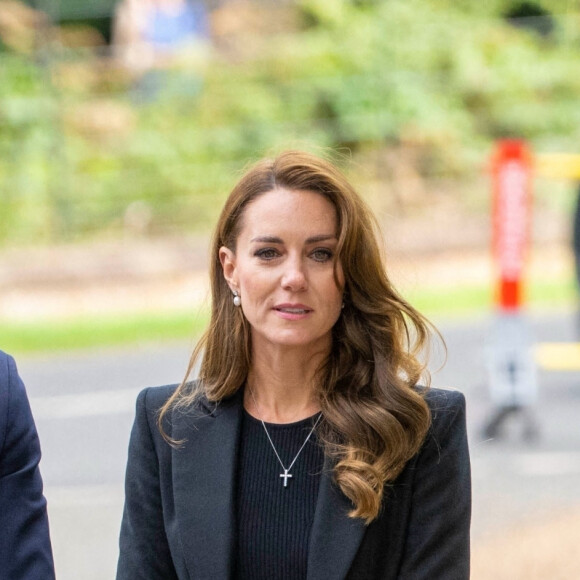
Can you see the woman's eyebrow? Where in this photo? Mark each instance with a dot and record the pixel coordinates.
(267, 239)
(277, 240)
(321, 238)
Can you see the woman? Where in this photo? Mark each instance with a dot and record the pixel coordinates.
(306, 448)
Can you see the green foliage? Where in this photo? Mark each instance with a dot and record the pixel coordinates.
(82, 152)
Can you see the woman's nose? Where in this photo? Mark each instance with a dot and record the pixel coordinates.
(294, 277)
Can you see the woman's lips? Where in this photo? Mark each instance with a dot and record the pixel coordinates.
(292, 311)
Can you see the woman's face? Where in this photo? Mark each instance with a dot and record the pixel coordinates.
(283, 269)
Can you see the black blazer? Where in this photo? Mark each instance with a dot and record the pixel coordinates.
(179, 515)
(25, 550)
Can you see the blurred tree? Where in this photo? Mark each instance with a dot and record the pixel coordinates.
(422, 85)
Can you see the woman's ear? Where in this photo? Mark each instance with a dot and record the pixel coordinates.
(228, 262)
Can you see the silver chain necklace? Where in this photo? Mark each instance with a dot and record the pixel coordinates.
(286, 475)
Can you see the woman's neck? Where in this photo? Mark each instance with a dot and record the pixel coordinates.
(281, 387)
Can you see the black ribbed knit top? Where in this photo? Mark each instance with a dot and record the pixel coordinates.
(274, 521)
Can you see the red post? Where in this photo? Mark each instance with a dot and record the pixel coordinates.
(512, 208)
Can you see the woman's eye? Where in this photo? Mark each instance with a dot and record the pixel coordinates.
(267, 254)
(322, 255)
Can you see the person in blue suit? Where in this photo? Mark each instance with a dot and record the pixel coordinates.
(25, 548)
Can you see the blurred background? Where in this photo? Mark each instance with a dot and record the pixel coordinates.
(123, 126)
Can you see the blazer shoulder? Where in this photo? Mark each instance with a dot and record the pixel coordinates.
(447, 408)
(153, 398)
(438, 399)
(4, 359)
(14, 406)
(7, 371)
(5, 380)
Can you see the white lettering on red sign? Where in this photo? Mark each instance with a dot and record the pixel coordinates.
(512, 219)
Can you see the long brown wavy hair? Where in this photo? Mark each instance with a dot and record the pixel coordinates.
(375, 417)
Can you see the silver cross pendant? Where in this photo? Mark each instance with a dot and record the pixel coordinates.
(285, 475)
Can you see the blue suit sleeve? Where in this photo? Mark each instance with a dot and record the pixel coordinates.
(144, 548)
(437, 543)
(25, 549)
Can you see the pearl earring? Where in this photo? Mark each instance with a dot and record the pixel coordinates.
(237, 299)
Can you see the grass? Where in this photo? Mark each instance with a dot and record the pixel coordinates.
(110, 330)
(467, 300)
(93, 332)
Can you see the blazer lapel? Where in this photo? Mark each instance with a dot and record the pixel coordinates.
(335, 537)
(204, 470)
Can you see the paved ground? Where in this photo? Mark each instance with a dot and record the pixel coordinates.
(526, 511)
(526, 520)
